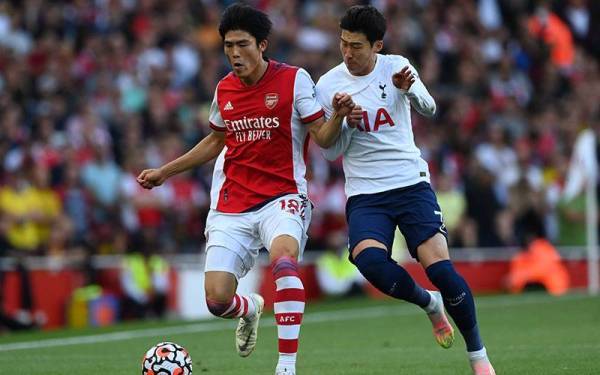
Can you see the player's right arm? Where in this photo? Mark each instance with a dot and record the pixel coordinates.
(207, 149)
(340, 145)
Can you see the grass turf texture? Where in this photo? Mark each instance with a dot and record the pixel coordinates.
(525, 334)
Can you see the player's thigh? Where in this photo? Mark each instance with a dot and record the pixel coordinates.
(420, 220)
(283, 225)
(232, 245)
(370, 223)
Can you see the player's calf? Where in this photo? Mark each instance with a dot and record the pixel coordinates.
(458, 301)
(239, 307)
(289, 310)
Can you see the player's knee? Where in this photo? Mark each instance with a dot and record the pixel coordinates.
(369, 263)
(366, 244)
(218, 298)
(218, 308)
(433, 250)
(219, 287)
(284, 246)
(284, 253)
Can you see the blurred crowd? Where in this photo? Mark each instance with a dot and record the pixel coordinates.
(94, 91)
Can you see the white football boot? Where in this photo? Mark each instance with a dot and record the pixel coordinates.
(442, 329)
(247, 329)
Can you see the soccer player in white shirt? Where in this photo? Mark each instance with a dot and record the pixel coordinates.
(387, 181)
(261, 116)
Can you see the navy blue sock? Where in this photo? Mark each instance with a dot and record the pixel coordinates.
(458, 301)
(387, 276)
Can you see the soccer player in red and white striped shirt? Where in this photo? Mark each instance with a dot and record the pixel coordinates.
(262, 115)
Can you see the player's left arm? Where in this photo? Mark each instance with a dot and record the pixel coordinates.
(408, 82)
(324, 132)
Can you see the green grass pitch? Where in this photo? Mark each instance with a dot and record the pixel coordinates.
(526, 334)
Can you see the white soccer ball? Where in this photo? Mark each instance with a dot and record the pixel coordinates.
(167, 358)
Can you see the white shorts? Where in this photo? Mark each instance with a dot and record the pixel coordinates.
(233, 240)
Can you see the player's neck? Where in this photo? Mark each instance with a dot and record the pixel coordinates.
(257, 74)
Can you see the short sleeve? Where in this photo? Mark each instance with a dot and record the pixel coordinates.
(305, 98)
(324, 98)
(214, 117)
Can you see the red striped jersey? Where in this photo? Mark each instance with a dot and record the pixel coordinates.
(265, 136)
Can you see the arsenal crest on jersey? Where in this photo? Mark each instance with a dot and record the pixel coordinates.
(271, 100)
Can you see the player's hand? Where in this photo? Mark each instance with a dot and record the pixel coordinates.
(150, 178)
(342, 104)
(355, 117)
(404, 79)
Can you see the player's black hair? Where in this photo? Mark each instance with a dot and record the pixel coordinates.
(243, 17)
(365, 19)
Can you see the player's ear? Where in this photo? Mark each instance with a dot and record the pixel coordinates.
(378, 45)
(262, 45)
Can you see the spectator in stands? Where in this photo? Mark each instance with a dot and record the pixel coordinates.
(453, 204)
(49, 206)
(336, 275)
(76, 201)
(571, 221)
(538, 263)
(548, 27)
(144, 279)
(85, 81)
(483, 206)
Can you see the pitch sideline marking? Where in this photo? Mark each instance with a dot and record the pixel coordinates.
(316, 317)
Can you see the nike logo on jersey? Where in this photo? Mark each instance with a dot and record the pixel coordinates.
(228, 107)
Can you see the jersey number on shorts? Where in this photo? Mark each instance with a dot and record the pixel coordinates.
(293, 206)
(443, 226)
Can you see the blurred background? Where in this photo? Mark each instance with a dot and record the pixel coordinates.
(94, 91)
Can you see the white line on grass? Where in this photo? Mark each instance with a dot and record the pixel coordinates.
(316, 317)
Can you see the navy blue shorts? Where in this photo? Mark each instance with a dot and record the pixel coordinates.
(414, 209)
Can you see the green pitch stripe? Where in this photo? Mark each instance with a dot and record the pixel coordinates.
(313, 317)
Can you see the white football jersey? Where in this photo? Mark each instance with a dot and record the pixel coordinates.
(380, 154)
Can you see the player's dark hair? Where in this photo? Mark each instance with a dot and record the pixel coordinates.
(243, 17)
(365, 19)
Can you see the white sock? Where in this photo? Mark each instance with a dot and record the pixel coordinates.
(287, 360)
(241, 307)
(477, 355)
(433, 304)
